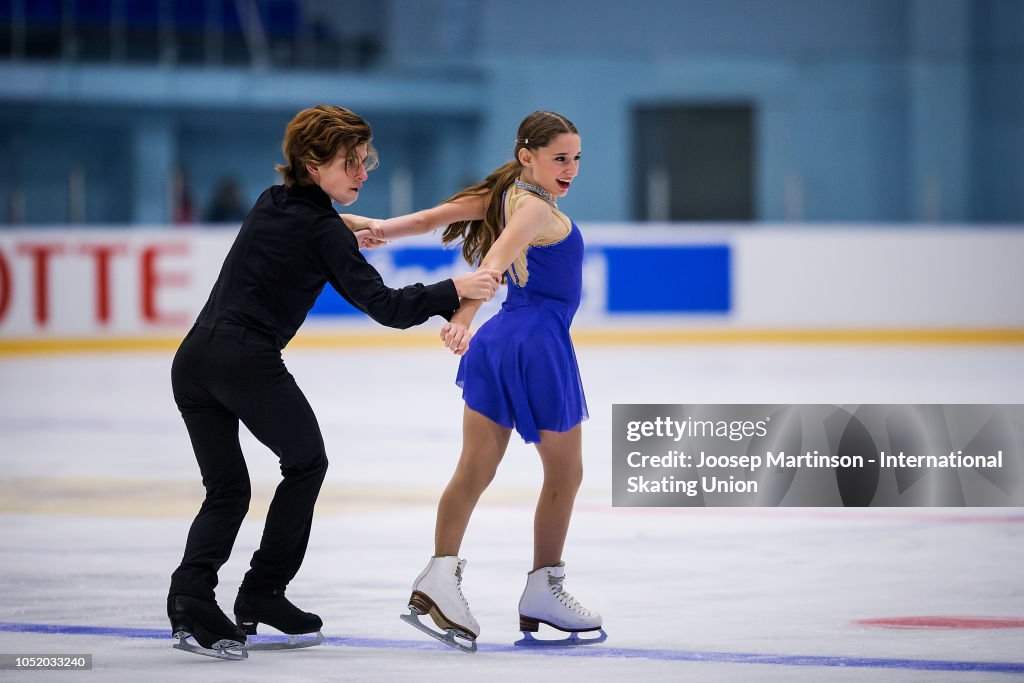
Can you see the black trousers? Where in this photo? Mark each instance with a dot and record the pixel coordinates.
(223, 375)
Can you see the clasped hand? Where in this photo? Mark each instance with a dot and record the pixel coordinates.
(370, 238)
(456, 337)
(479, 284)
(367, 230)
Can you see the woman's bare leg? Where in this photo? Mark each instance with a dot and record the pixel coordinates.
(483, 445)
(561, 453)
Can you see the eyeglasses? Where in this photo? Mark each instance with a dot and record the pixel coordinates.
(354, 164)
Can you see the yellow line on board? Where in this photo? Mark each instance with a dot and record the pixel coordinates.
(583, 337)
(49, 345)
(954, 336)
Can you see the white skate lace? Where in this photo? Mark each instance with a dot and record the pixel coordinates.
(458, 582)
(564, 596)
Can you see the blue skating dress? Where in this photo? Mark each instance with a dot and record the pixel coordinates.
(520, 370)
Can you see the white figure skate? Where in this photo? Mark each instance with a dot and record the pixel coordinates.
(437, 591)
(545, 601)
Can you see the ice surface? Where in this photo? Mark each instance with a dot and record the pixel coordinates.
(99, 486)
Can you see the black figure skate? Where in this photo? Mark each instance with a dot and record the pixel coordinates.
(275, 610)
(212, 633)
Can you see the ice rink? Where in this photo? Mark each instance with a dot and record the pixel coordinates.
(99, 486)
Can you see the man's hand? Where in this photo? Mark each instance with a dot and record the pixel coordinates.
(481, 284)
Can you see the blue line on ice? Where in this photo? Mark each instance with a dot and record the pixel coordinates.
(593, 651)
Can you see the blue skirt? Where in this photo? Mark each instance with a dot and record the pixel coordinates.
(521, 372)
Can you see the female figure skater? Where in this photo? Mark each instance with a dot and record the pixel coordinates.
(229, 370)
(519, 373)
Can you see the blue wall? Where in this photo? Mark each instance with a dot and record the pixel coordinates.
(866, 110)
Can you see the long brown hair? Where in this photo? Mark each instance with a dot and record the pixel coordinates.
(316, 135)
(537, 130)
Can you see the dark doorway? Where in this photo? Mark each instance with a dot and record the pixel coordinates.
(694, 163)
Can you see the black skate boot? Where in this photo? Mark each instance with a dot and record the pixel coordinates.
(207, 625)
(274, 609)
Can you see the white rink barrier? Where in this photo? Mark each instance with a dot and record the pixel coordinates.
(109, 284)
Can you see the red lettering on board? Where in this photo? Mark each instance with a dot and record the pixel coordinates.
(152, 280)
(40, 254)
(5, 286)
(103, 254)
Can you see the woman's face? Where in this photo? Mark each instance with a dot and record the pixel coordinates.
(343, 176)
(555, 165)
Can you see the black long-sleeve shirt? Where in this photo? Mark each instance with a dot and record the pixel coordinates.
(290, 245)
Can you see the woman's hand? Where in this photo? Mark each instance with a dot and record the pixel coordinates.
(367, 240)
(359, 223)
(456, 338)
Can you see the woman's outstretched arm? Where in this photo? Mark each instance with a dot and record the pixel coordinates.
(466, 208)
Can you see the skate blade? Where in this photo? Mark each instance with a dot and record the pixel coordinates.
(294, 642)
(572, 640)
(222, 649)
(449, 637)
